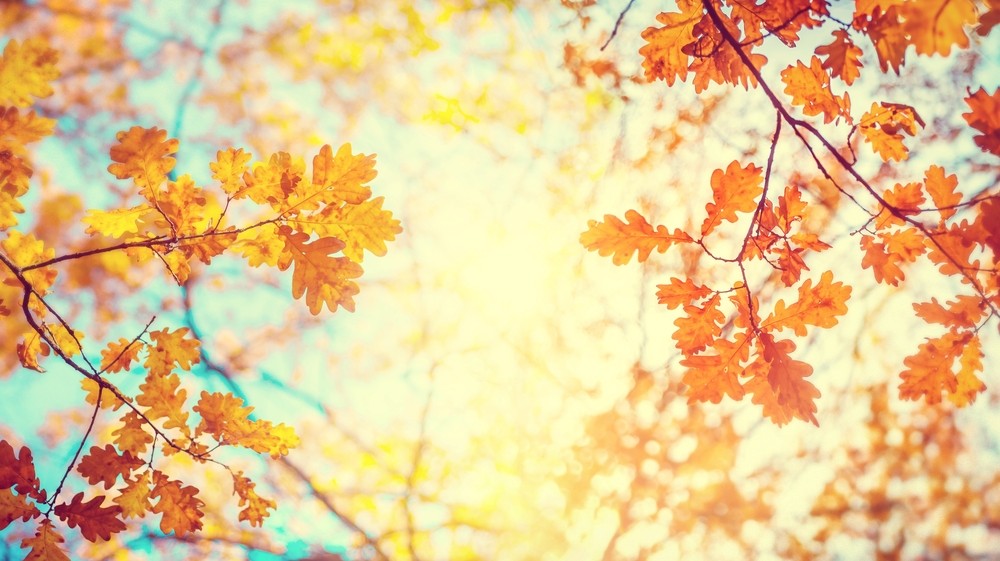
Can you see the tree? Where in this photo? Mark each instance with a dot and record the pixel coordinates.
(511, 399)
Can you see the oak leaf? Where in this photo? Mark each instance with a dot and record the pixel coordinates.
(985, 118)
(343, 176)
(18, 472)
(786, 378)
(842, 57)
(116, 223)
(935, 26)
(622, 239)
(144, 156)
(30, 348)
(13, 507)
(228, 168)
(968, 385)
(889, 38)
(105, 465)
(119, 355)
(134, 498)
(819, 306)
(26, 70)
(882, 126)
(170, 348)
(108, 398)
(663, 55)
(45, 544)
(734, 190)
(363, 226)
(883, 263)
(929, 372)
(225, 418)
(162, 396)
(809, 87)
(699, 326)
(95, 521)
(256, 507)
(941, 188)
(709, 376)
(678, 292)
(964, 311)
(321, 278)
(180, 506)
(132, 436)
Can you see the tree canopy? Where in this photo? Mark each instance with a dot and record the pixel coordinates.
(798, 366)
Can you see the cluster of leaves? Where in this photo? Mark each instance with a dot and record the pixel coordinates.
(304, 220)
(743, 351)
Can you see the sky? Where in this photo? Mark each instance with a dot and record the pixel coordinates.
(487, 330)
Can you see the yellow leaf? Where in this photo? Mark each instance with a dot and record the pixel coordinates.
(26, 70)
(361, 227)
(116, 223)
(321, 278)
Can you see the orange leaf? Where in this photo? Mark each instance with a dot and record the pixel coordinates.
(709, 376)
(735, 190)
(985, 118)
(162, 396)
(26, 70)
(929, 371)
(321, 278)
(95, 521)
(104, 465)
(30, 348)
(818, 306)
(889, 38)
(170, 348)
(968, 384)
(842, 57)
(678, 292)
(13, 507)
(809, 87)
(256, 507)
(225, 418)
(935, 25)
(45, 544)
(119, 355)
(951, 249)
(228, 168)
(344, 176)
(134, 498)
(791, 393)
(941, 188)
(965, 311)
(623, 239)
(699, 327)
(180, 506)
(143, 155)
(881, 127)
(18, 472)
(884, 264)
(663, 57)
(132, 436)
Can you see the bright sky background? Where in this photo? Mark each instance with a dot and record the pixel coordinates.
(486, 303)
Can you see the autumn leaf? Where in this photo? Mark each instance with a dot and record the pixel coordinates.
(929, 372)
(786, 378)
(964, 311)
(116, 223)
(26, 70)
(13, 507)
(95, 521)
(883, 263)
(343, 176)
(817, 306)
(134, 498)
(229, 167)
(18, 472)
(842, 57)
(108, 398)
(45, 544)
(163, 397)
(663, 55)
(968, 384)
(131, 436)
(889, 39)
(225, 418)
(882, 126)
(363, 226)
(623, 239)
(809, 87)
(105, 465)
(260, 246)
(985, 118)
(179, 505)
(119, 355)
(30, 348)
(321, 278)
(941, 188)
(144, 156)
(678, 292)
(699, 326)
(170, 348)
(256, 507)
(735, 190)
(935, 26)
(709, 376)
